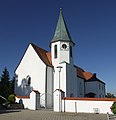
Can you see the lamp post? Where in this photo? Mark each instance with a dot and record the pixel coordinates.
(59, 67)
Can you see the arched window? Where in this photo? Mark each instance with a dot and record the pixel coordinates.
(70, 51)
(55, 51)
(28, 80)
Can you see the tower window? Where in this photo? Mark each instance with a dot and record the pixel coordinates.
(55, 51)
(70, 51)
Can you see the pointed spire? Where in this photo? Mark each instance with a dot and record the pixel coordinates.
(61, 32)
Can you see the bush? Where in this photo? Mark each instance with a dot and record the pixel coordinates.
(11, 98)
(113, 108)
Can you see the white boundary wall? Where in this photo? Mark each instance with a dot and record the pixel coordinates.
(30, 102)
(86, 105)
(25, 101)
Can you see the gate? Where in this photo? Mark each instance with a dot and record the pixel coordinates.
(46, 101)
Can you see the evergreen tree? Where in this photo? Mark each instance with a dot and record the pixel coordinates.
(12, 85)
(5, 78)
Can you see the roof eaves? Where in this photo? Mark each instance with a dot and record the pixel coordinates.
(93, 80)
(21, 58)
(42, 54)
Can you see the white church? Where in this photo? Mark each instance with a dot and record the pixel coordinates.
(41, 74)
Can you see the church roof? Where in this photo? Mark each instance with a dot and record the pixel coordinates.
(61, 32)
(88, 76)
(82, 74)
(43, 54)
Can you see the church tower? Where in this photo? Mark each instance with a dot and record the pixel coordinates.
(62, 44)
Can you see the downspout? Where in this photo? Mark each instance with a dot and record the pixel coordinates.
(46, 88)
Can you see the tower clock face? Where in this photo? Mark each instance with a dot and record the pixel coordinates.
(64, 46)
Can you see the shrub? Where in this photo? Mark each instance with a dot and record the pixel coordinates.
(113, 108)
(11, 98)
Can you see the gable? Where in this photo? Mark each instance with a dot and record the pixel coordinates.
(44, 55)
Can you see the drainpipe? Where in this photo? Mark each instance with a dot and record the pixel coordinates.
(46, 89)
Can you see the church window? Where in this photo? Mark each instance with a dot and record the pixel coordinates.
(55, 51)
(70, 51)
(28, 80)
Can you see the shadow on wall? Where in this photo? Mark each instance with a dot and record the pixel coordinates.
(25, 88)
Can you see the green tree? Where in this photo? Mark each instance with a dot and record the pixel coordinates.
(110, 95)
(11, 98)
(12, 85)
(5, 78)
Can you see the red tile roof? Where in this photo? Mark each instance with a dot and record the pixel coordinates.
(87, 75)
(44, 55)
(49, 57)
(82, 74)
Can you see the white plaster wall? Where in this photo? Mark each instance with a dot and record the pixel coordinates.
(57, 101)
(33, 66)
(80, 87)
(55, 61)
(86, 106)
(25, 101)
(101, 90)
(71, 81)
(50, 88)
(93, 86)
(32, 102)
(102, 106)
(68, 106)
(62, 77)
(68, 80)
(62, 55)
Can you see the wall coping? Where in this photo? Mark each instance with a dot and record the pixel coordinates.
(25, 97)
(90, 99)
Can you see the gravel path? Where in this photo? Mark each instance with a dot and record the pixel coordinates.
(48, 115)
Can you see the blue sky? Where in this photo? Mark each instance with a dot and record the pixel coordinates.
(91, 23)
